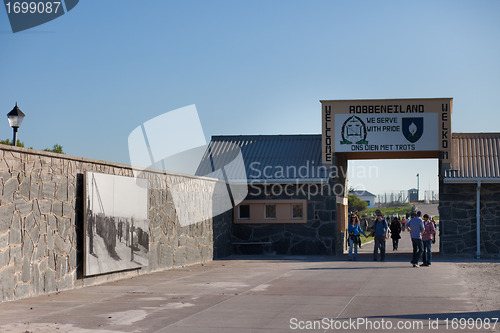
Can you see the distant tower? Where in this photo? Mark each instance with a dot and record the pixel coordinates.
(413, 194)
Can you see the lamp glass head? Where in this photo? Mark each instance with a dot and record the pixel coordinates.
(16, 117)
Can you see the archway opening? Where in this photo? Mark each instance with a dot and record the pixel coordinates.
(395, 186)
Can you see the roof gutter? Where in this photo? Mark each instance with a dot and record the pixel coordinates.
(478, 218)
(471, 180)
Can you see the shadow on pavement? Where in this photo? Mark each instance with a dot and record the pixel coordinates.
(492, 315)
(363, 257)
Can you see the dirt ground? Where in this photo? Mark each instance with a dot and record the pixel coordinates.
(483, 280)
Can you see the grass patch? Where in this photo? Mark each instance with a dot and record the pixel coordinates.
(388, 211)
(366, 240)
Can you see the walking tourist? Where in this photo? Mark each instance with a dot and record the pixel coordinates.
(354, 231)
(429, 231)
(379, 229)
(395, 228)
(416, 227)
(363, 224)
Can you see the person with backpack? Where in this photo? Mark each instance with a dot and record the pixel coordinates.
(379, 230)
(416, 227)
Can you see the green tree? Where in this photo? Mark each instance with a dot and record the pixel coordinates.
(356, 204)
(55, 149)
(9, 142)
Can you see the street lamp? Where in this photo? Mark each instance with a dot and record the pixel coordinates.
(418, 186)
(16, 117)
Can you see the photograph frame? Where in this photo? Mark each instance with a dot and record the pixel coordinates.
(115, 223)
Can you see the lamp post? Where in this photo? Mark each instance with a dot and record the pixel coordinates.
(418, 186)
(16, 117)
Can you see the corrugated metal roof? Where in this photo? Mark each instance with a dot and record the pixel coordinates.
(266, 157)
(475, 156)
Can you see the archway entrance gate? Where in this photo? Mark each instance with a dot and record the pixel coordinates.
(383, 129)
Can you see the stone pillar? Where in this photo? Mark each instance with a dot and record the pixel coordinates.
(341, 193)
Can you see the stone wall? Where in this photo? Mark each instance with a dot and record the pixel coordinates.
(41, 222)
(315, 237)
(457, 210)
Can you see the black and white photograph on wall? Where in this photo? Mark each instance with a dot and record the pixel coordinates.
(116, 223)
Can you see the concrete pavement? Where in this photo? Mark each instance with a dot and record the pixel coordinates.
(262, 294)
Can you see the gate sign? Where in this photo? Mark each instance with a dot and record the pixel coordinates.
(404, 128)
(372, 133)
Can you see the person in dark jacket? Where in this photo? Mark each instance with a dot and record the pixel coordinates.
(395, 228)
(416, 227)
(379, 229)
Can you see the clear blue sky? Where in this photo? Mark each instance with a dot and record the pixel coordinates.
(88, 78)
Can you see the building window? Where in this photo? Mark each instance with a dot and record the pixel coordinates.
(297, 211)
(270, 211)
(244, 212)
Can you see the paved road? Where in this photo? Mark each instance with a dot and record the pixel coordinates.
(260, 294)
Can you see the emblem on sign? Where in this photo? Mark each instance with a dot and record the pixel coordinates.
(353, 130)
(413, 128)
